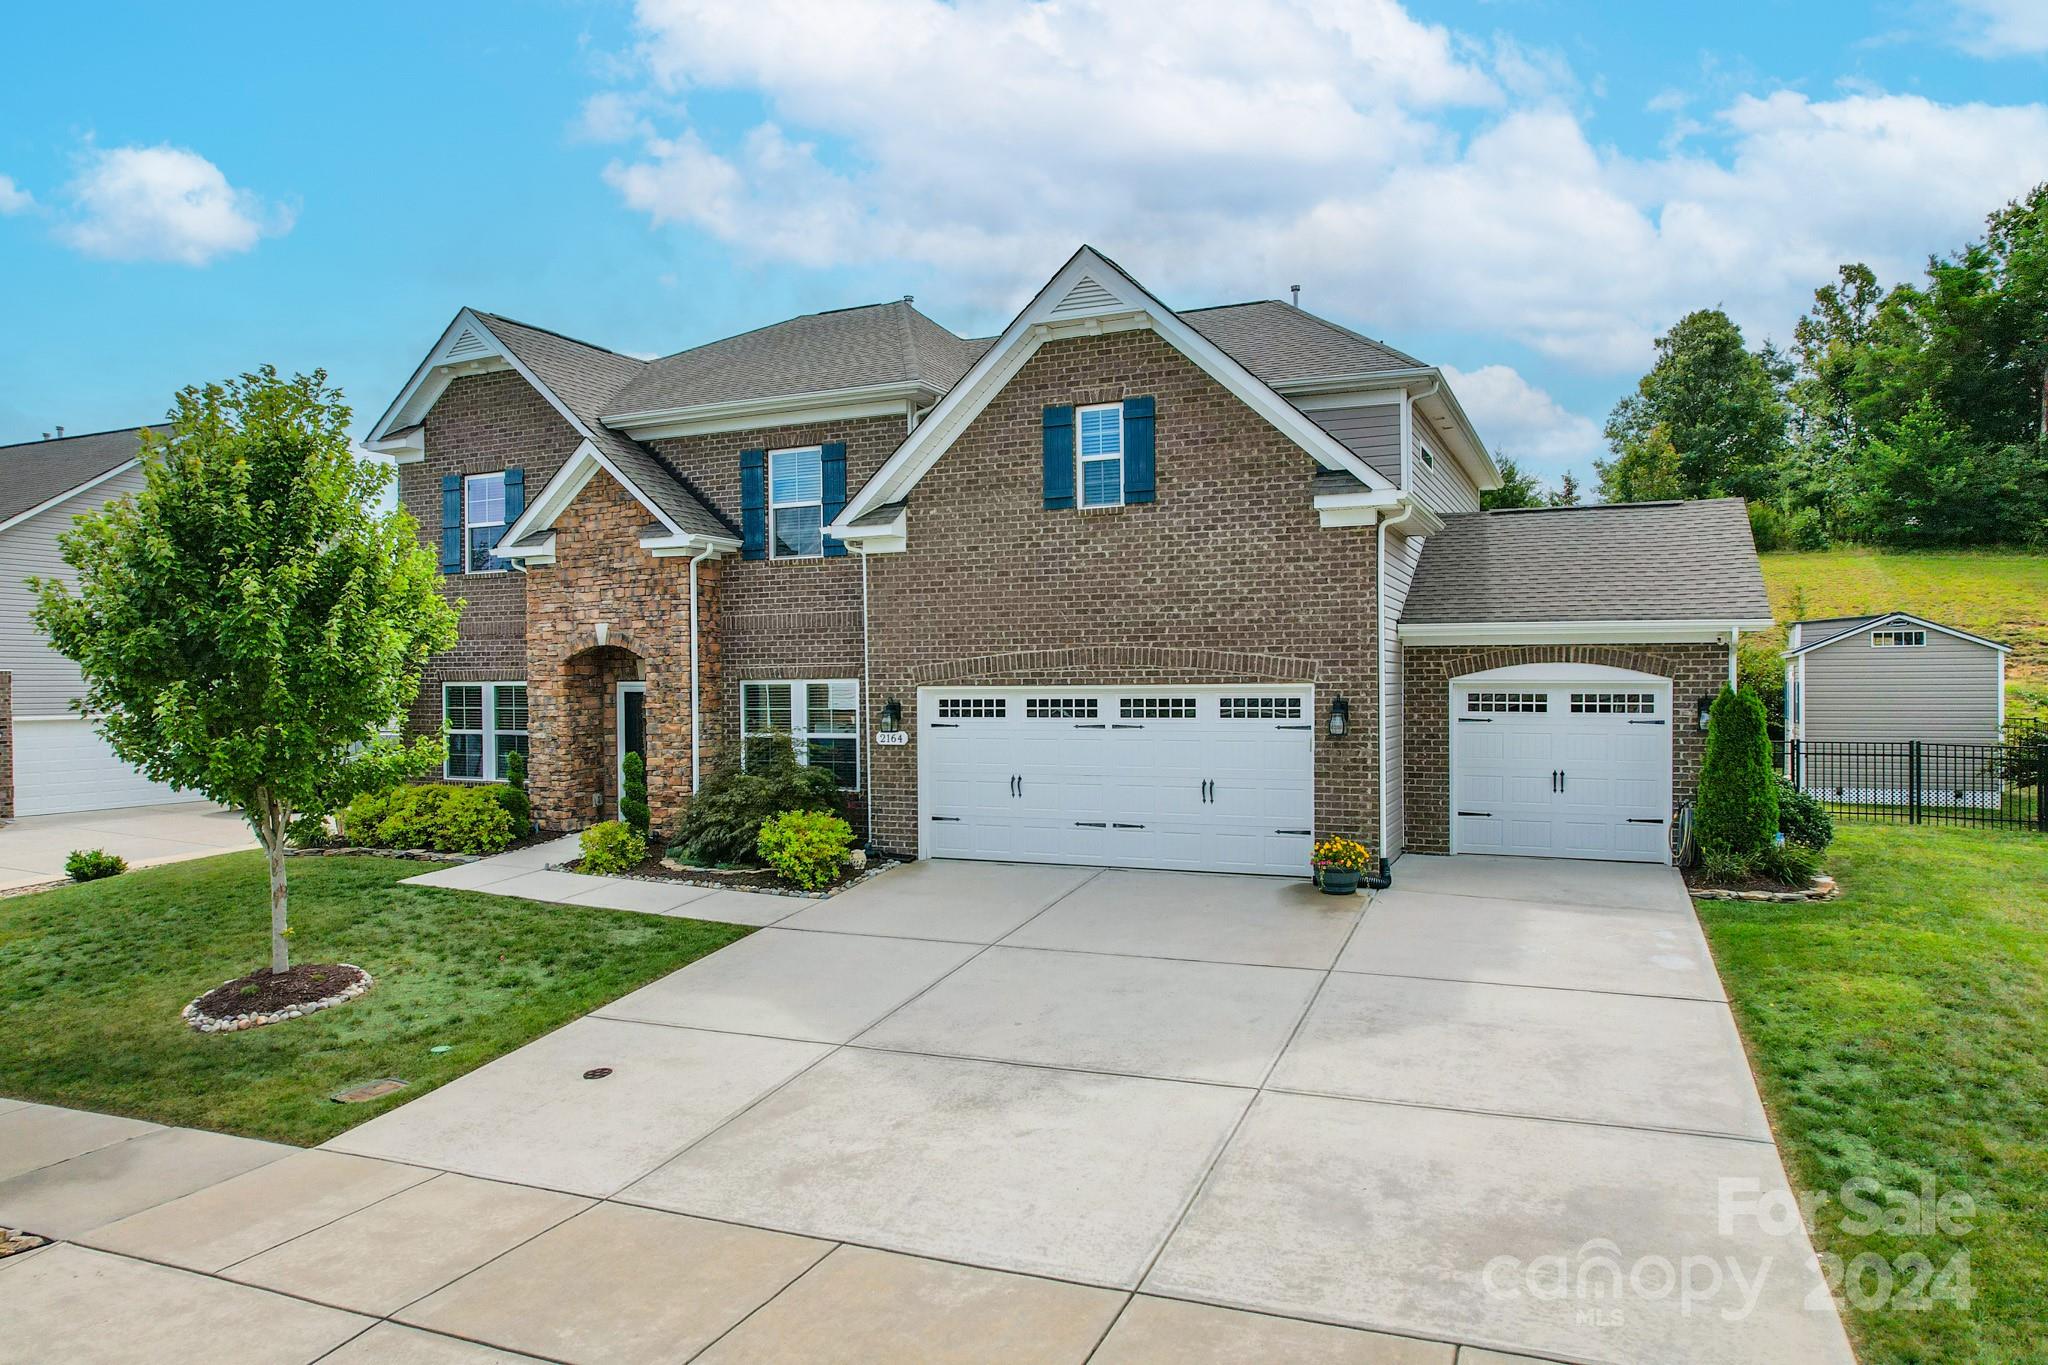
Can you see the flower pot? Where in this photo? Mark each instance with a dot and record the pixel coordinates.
(1340, 881)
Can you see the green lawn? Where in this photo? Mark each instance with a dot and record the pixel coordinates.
(1901, 1034)
(1999, 594)
(92, 978)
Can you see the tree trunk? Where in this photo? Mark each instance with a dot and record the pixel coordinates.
(272, 834)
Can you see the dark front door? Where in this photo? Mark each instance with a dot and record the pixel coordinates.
(632, 726)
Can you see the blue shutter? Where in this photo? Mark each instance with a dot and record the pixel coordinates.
(753, 504)
(451, 523)
(515, 496)
(1138, 461)
(834, 461)
(1059, 458)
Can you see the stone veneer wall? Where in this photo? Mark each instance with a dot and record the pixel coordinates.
(6, 746)
(1696, 670)
(1225, 578)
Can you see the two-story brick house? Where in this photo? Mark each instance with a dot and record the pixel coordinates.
(1123, 585)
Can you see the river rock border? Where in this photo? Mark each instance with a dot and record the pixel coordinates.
(1823, 889)
(234, 1023)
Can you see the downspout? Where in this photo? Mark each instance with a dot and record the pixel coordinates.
(1380, 660)
(866, 700)
(696, 708)
(1734, 668)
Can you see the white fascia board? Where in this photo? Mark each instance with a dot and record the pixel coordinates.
(571, 479)
(540, 551)
(46, 504)
(1362, 508)
(1051, 313)
(782, 410)
(1573, 632)
(669, 547)
(1896, 618)
(882, 538)
(411, 448)
(1343, 398)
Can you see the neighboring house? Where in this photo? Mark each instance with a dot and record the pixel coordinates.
(1859, 689)
(1123, 586)
(60, 763)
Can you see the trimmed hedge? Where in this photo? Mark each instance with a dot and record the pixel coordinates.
(1737, 810)
(1802, 819)
(446, 817)
(611, 847)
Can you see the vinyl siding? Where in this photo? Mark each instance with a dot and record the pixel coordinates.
(1439, 482)
(1398, 571)
(1946, 692)
(44, 681)
(1371, 431)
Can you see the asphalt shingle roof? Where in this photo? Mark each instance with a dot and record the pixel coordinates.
(882, 343)
(585, 378)
(1278, 342)
(1656, 561)
(34, 472)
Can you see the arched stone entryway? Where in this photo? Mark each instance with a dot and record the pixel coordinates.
(574, 713)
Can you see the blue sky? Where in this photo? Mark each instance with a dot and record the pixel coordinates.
(1524, 190)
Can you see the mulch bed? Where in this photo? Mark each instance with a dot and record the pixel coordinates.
(262, 993)
(744, 878)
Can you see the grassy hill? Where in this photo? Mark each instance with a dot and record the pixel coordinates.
(2000, 595)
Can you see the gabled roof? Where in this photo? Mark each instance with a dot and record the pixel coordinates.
(1649, 561)
(849, 348)
(1842, 627)
(1279, 342)
(36, 474)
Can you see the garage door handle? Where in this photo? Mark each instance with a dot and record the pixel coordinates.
(1643, 820)
(1090, 824)
(1118, 824)
(1482, 814)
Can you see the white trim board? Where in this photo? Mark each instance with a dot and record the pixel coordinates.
(561, 490)
(1574, 632)
(1088, 296)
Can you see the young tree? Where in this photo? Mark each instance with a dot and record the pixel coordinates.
(1644, 469)
(1737, 808)
(1518, 488)
(246, 624)
(1718, 405)
(633, 808)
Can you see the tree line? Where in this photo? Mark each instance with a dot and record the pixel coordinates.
(1905, 416)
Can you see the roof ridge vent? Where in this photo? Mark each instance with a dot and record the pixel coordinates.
(1086, 296)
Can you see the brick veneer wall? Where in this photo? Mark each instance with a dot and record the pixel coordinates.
(481, 424)
(600, 573)
(1226, 578)
(1696, 670)
(6, 746)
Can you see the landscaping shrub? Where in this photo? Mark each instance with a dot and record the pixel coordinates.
(1788, 864)
(723, 823)
(1737, 808)
(441, 816)
(515, 770)
(306, 831)
(517, 805)
(613, 846)
(91, 864)
(1802, 819)
(805, 847)
(633, 793)
(473, 820)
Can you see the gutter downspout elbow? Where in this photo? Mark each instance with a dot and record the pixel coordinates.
(696, 707)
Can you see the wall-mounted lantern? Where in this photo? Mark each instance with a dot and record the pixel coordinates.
(1706, 709)
(892, 714)
(1340, 717)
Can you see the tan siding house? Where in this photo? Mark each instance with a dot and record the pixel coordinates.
(1889, 678)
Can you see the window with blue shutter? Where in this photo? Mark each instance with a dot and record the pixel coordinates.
(1058, 444)
(753, 504)
(515, 495)
(1138, 447)
(451, 523)
(835, 493)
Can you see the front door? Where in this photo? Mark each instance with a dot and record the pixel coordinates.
(632, 736)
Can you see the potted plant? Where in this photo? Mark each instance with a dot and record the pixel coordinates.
(1339, 862)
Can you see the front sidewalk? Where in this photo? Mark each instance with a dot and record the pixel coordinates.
(33, 848)
(530, 873)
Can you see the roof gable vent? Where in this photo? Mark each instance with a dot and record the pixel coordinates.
(467, 343)
(1087, 296)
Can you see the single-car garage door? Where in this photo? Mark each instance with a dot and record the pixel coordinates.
(1553, 768)
(62, 764)
(1200, 778)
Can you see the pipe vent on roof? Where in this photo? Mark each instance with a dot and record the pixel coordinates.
(1086, 297)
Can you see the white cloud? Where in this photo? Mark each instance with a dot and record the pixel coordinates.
(165, 203)
(13, 198)
(611, 116)
(1516, 418)
(2002, 28)
(1413, 178)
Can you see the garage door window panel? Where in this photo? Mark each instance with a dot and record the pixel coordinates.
(1504, 703)
(1156, 708)
(1614, 703)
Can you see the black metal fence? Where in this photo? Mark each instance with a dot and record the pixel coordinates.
(1921, 782)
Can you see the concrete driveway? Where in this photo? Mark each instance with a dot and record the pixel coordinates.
(1503, 1107)
(33, 848)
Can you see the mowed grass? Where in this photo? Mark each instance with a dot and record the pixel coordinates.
(2001, 595)
(92, 978)
(1901, 1034)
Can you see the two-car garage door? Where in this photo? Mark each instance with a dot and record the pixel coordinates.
(1205, 779)
(1561, 768)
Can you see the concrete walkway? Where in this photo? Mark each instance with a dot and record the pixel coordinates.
(33, 848)
(526, 873)
(976, 1111)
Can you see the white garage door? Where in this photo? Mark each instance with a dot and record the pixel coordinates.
(1204, 779)
(63, 765)
(1562, 769)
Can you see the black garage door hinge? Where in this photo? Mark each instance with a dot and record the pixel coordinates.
(1641, 820)
(1475, 720)
(954, 819)
(1487, 814)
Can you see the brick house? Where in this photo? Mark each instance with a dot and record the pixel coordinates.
(1123, 585)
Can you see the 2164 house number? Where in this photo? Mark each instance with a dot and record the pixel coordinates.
(892, 738)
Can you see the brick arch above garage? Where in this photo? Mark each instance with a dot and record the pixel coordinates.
(1695, 670)
(1123, 661)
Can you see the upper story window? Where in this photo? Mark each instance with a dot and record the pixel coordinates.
(1898, 639)
(1101, 454)
(796, 503)
(483, 522)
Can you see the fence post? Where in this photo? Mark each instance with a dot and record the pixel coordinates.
(1914, 785)
(1798, 776)
(2041, 782)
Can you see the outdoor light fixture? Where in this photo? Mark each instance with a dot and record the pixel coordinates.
(1340, 717)
(892, 714)
(1706, 708)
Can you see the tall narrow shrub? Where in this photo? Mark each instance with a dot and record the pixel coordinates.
(1737, 810)
(633, 793)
